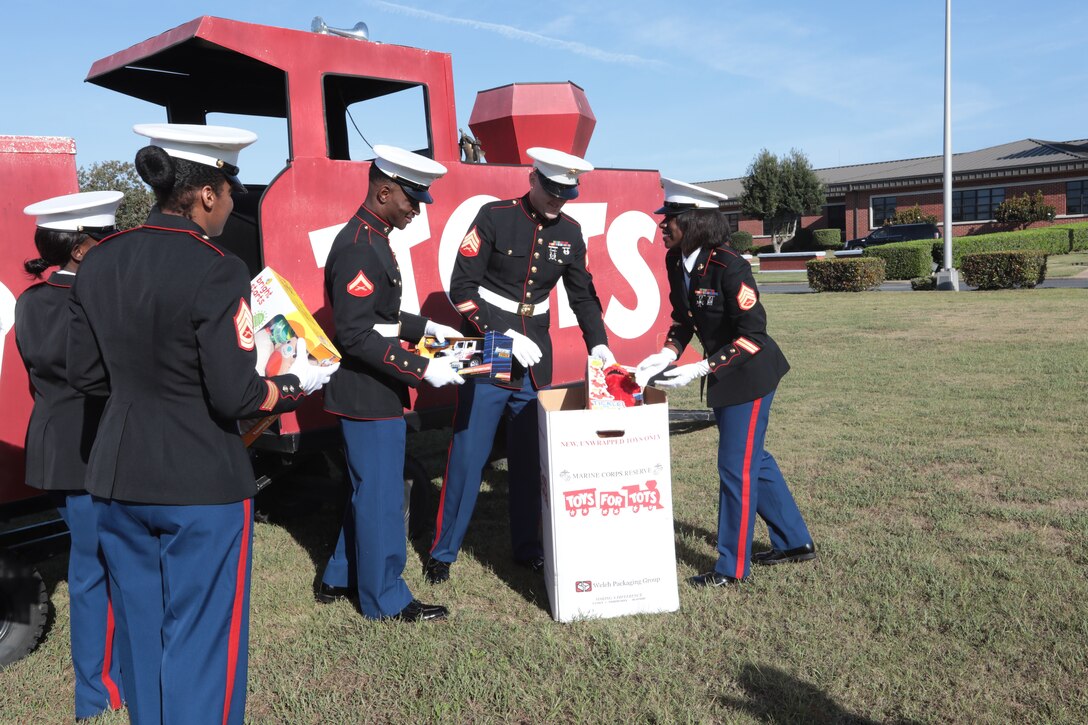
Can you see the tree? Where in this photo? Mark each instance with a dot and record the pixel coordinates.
(119, 176)
(912, 215)
(780, 191)
(1024, 209)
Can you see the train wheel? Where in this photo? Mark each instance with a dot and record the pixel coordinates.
(24, 608)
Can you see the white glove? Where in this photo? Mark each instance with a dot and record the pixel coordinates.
(602, 353)
(681, 376)
(440, 332)
(652, 365)
(525, 350)
(310, 376)
(439, 373)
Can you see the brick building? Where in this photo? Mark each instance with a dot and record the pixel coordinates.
(861, 197)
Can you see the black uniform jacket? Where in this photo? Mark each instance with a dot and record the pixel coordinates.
(362, 280)
(521, 255)
(166, 314)
(721, 305)
(64, 420)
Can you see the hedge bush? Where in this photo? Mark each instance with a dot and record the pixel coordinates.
(1004, 270)
(1024, 209)
(921, 284)
(802, 241)
(741, 241)
(789, 246)
(1052, 240)
(904, 260)
(845, 275)
(827, 238)
(1078, 236)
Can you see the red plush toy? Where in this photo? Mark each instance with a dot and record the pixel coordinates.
(621, 385)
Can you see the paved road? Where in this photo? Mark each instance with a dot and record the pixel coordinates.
(795, 288)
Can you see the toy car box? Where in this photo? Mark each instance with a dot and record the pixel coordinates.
(487, 358)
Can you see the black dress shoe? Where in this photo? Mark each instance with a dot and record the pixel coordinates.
(533, 563)
(327, 594)
(778, 556)
(417, 611)
(436, 571)
(714, 579)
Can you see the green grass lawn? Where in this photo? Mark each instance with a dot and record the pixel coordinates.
(763, 278)
(935, 443)
(1066, 265)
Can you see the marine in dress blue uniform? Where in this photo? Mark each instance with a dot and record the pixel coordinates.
(161, 315)
(370, 392)
(515, 252)
(714, 296)
(62, 428)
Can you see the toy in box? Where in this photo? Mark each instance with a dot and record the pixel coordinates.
(280, 319)
(610, 386)
(487, 358)
(279, 314)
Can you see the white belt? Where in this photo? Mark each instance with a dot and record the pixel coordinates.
(518, 308)
(390, 330)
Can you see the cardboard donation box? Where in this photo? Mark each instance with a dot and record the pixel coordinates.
(607, 506)
(487, 358)
(280, 318)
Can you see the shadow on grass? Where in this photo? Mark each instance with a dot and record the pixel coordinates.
(775, 696)
(698, 547)
(488, 540)
(309, 504)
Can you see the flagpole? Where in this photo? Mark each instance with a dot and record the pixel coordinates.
(948, 278)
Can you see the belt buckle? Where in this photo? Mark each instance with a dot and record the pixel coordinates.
(525, 309)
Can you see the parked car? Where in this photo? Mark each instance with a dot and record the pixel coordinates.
(896, 233)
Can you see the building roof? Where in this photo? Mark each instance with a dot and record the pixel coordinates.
(1029, 156)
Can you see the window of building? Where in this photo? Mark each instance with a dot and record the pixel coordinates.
(1076, 197)
(883, 209)
(975, 204)
(375, 110)
(734, 221)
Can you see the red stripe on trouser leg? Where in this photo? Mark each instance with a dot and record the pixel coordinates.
(107, 656)
(745, 491)
(236, 611)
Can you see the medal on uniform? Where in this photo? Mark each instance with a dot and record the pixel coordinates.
(705, 297)
(555, 248)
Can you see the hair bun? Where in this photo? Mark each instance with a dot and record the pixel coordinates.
(36, 267)
(156, 168)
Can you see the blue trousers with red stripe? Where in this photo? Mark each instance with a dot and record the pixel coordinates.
(371, 550)
(93, 630)
(180, 583)
(751, 484)
(480, 407)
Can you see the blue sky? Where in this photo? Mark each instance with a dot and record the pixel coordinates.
(695, 92)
